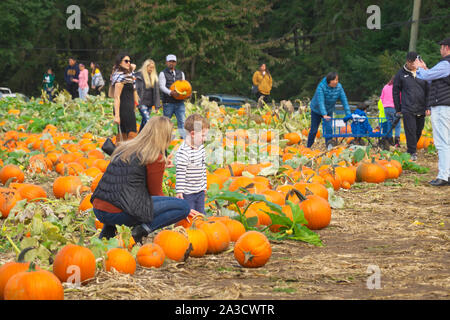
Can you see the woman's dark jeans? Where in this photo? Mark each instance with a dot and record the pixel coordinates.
(316, 119)
(166, 211)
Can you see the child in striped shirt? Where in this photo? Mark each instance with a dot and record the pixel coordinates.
(190, 163)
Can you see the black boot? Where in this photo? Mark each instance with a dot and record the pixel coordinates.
(138, 233)
(108, 231)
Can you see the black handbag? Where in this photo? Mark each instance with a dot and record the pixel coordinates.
(108, 147)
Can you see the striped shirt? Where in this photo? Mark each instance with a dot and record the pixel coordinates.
(190, 169)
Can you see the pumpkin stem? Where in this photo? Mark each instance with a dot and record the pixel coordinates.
(32, 267)
(248, 256)
(188, 251)
(300, 195)
(231, 170)
(21, 257)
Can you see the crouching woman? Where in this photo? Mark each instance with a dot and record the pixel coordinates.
(130, 191)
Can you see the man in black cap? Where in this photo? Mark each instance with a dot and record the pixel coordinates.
(410, 93)
(439, 101)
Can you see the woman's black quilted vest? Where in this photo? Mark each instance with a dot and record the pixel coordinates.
(124, 185)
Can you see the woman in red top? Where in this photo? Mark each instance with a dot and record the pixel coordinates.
(119, 198)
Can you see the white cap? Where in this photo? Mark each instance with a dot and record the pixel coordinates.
(171, 57)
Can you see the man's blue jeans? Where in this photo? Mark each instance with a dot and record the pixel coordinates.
(316, 119)
(169, 109)
(166, 211)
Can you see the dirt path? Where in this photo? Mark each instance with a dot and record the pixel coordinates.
(400, 229)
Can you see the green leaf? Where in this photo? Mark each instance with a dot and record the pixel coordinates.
(252, 221)
(359, 155)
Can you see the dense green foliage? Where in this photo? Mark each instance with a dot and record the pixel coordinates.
(221, 43)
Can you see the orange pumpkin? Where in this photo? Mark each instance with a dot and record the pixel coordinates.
(66, 184)
(8, 199)
(11, 268)
(34, 285)
(252, 250)
(317, 212)
(30, 192)
(74, 260)
(199, 241)
(371, 172)
(150, 255)
(292, 137)
(235, 228)
(183, 88)
(176, 246)
(85, 204)
(218, 236)
(13, 172)
(121, 260)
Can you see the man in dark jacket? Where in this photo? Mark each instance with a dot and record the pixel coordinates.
(410, 100)
(71, 72)
(439, 101)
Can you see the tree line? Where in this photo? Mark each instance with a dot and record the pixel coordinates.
(219, 44)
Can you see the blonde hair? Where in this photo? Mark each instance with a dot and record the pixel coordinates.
(149, 144)
(151, 79)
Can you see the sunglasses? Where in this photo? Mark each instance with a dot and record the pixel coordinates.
(127, 61)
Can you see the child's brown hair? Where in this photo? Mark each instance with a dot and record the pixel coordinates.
(191, 122)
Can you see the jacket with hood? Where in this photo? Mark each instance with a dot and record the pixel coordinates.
(325, 97)
(414, 92)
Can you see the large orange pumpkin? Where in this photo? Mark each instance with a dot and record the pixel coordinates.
(317, 212)
(66, 184)
(176, 246)
(217, 234)
(252, 249)
(121, 260)
(371, 172)
(150, 255)
(183, 88)
(13, 172)
(30, 192)
(74, 260)
(34, 285)
(11, 268)
(199, 241)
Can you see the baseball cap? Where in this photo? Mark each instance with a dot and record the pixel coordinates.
(445, 42)
(411, 56)
(171, 57)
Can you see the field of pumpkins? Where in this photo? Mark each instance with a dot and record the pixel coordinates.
(282, 221)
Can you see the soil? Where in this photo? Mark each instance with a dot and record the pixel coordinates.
(398, 230)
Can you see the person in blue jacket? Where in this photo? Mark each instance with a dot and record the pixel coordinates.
(323, 104)
(360, 123)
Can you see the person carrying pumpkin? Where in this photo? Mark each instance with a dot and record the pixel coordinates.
(191, 163)
(130, 191)
(171, 105)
